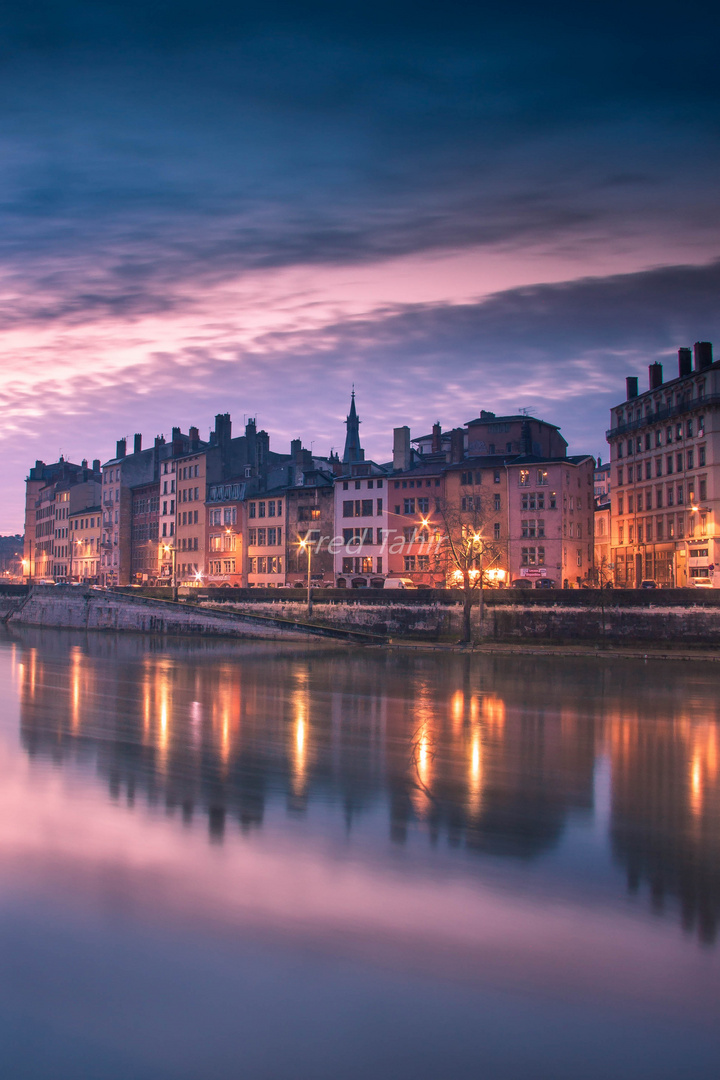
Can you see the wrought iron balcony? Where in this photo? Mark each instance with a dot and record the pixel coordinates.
(691, 406)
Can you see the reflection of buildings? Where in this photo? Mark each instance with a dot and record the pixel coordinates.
(666, 810)
(478, 752)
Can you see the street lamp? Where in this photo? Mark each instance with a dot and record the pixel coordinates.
(306, 545)
(172, 551)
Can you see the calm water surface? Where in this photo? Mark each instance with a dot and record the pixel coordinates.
(233, 861)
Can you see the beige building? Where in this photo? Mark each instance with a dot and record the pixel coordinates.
(84, 538)
(664, 452)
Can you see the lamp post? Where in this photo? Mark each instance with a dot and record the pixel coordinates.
(171, 549)
(306, 545)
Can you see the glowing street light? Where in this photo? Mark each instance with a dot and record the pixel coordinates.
(305, 544)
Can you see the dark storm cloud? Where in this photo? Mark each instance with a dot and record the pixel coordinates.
(164, 141)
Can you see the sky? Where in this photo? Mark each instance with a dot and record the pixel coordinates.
(211, 207)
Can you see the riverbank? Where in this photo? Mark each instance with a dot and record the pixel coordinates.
(666, 626)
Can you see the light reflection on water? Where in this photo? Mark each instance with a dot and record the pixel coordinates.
(418, 865)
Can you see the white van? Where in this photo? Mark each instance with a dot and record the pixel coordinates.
(399, 583)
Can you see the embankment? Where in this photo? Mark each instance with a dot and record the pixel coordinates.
(675, 618)
(71, 607)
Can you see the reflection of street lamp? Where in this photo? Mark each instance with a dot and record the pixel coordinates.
(172, 551)
(26, 569)
(305, 544)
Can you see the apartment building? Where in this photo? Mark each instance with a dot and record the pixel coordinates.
(85, 536)
(52, 494)
(310, 503)
(664, 452)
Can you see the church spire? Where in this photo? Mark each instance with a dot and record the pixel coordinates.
(353, 451)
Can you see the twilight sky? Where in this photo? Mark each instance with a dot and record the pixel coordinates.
(239, 207)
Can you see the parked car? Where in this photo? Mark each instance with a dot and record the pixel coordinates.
(399, 583)
(522, 583)
(648, 583)
(700, 583)
(545, 583)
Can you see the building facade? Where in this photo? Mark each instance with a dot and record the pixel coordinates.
(665, 448)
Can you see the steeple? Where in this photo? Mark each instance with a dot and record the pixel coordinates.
(353, 451)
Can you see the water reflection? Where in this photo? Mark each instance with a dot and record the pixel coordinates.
(492, 756)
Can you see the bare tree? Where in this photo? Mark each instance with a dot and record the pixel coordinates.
(469, 552)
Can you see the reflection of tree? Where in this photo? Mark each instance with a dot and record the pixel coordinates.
(491, 754)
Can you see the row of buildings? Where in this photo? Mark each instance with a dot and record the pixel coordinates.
(228, 510)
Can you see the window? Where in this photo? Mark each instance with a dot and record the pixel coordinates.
(423, 505)
(528, 528)
(669, 464)
(252, 537)
(345, 487)
(358, 485)
(689, 429)
(621, 533)
(409, 562)
(619, 477)
(252, 510)
(496, 477)
(648, 469)
(423, 562)
(524, 478)
(579, 557)
(619, 449)
(261, 509)
(379, 540)
(496, 503)
(466, 478)
(409, 506)
(701, 456)
(658, 438)
(496, 531)
(542, 477)
(690, 455)
(647, 440)
(658, 497)
(271, 508)
(658, 466)
(659, 528)
(678, 463)
(680, 495)
(553, 500)
(347, 566)
(668, 432)
(620, 504)
(367, 508)
(528, 501)
(670, 496)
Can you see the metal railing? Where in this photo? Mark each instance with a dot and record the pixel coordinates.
(693, 405)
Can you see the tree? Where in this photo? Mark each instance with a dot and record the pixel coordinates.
(469, 553)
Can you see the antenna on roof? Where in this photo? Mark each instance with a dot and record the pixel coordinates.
(526, 410)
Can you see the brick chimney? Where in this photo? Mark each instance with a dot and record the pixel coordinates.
(684, 362)
(703, 355)
(655, 373)
(436, 438)
(121, 448)
(401, 448)
(457, 445)
(137, 445)
(631, 384)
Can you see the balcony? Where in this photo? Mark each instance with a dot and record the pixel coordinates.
(692, 405)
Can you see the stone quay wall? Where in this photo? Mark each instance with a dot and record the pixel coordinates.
(672, 617)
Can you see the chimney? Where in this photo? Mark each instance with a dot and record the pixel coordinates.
(262, 448)
(175, 433)
(401, 448)
(703, 355)
(436, 438)
(159, 441)
(684, 362)
(457, 445)
(223, 428)
(295, 448)
(83, 463)
(655, 373)
(137, 446)
(121, 448)
(631, 383)
(194, 436)
(96, 465)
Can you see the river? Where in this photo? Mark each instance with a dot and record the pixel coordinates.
(220, 859)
